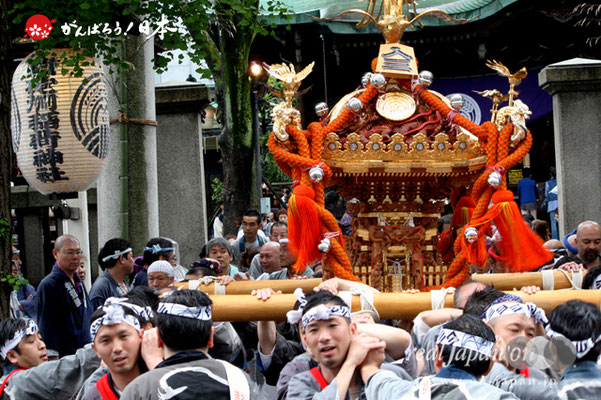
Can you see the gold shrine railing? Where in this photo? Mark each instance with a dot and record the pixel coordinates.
(464, 151)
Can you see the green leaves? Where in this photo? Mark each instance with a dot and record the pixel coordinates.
(197, 20)
(5, 228)
(15, 282)
(216, 190)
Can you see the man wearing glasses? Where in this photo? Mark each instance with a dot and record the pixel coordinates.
(64, 309)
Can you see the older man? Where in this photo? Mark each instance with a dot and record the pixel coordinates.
(156, 249)
(269, 258)
(160, 275)
(64, 309)
(287, 260)
(588, 244)
(279, 231)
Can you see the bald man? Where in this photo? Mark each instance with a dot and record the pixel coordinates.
(64, 309)
(269, 257)
(284, 270)
(588, 243)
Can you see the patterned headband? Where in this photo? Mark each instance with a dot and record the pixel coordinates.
(449, 337)
(158, 249)
(323, 313)
(144, 312)
(295, 315)
(117, 254)
(202, 313)
(528, 309)
(10, 344)
(582, 346)
(114, 314)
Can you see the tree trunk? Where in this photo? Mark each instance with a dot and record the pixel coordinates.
(236, 138)
(6, 153)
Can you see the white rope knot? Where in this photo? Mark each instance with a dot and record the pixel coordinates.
(366, 298)
(437, 297)
(549, 279)
(218, 288)
(576, 280)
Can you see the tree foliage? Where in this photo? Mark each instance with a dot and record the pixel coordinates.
(219, 32)
(186, 25)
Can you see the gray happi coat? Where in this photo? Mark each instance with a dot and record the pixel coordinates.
(385, 385)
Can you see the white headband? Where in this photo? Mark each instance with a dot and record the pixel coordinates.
(10, 344)
(582, 346)
(323, 313)
(295, 315)
(144, 312)
(449, 337)
(202, 313)
(114, 314)
(528, 309)
(117, 254)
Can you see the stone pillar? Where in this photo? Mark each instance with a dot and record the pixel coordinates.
(108, 182)
(576, 88)
(143, 210)
(80, 228)
(181, 176)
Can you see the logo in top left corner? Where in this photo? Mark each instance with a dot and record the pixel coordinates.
(38, 27)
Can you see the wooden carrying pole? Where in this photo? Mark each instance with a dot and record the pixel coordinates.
(246, 287)
(389, 305)
(517, 280)
(498, 281)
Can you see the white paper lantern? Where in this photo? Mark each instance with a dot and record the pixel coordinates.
(60, 126)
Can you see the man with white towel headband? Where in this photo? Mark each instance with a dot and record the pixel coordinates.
(185, 334)
(27, 372)
(464, 354)
(334, 343)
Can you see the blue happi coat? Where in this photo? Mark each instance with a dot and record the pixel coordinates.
(64, 313)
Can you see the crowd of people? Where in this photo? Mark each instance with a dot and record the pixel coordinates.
(151, 340)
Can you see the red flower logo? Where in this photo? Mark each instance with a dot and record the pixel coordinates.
(38, 27)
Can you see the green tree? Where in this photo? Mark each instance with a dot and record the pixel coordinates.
(6, 154)
(220, 32)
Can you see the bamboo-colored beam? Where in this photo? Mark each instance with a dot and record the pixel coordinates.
(246, 287)
(389, 305)
(517, 280)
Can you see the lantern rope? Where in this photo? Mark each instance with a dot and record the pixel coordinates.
(136, 121)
